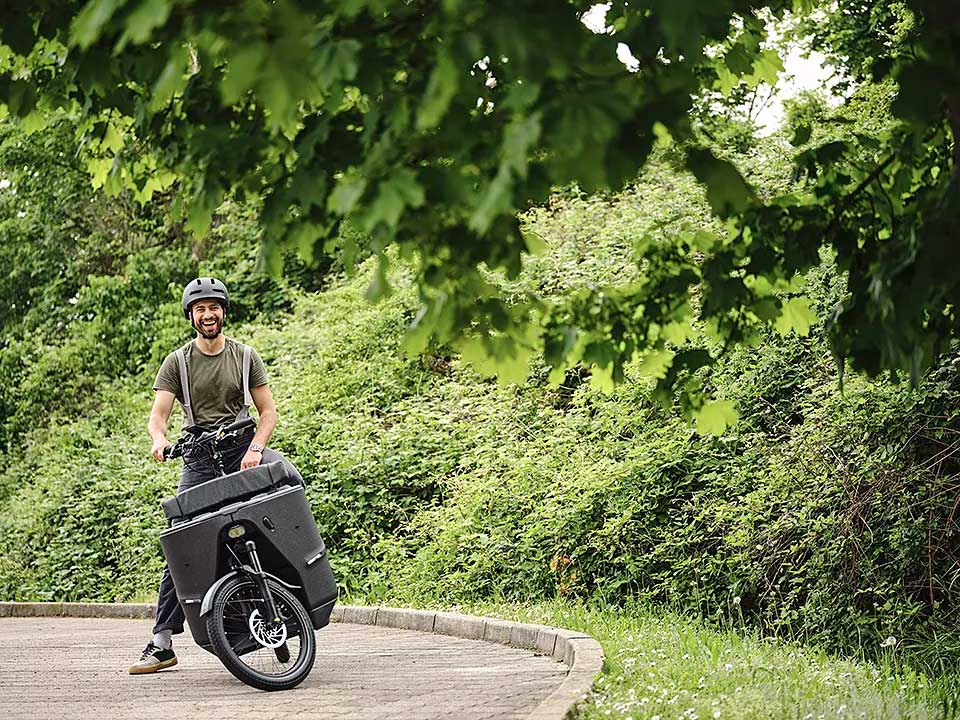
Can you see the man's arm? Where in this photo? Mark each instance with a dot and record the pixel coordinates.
(263, 399)
(157, 424)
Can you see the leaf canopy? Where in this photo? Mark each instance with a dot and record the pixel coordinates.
(429, 124)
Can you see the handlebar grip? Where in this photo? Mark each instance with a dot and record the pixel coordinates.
(172, 451)
(240, 425)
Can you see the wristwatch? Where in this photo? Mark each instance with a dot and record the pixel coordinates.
(255, 447)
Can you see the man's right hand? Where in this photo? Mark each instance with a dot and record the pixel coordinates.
(158, 446)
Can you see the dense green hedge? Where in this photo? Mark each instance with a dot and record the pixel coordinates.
(824, 514)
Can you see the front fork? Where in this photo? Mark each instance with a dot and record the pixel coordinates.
(260, 578)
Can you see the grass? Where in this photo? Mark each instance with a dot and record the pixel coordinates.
(661, 666)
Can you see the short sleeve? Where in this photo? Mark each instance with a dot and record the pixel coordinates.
(168, 378)
(258, 373)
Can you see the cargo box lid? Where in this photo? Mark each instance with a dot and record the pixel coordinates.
(228, 488)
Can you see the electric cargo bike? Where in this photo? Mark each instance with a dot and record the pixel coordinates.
(248, 564)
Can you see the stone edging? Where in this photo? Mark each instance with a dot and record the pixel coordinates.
(580, 652)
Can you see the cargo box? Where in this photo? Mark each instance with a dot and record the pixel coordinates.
(276, 516)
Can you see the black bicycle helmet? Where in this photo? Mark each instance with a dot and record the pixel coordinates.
(207, 288)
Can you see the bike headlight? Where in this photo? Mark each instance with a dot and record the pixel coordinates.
(237, 531)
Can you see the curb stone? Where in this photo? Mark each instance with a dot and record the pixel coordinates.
(578, 651)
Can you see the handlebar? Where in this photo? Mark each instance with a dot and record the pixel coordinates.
(239, 425)
(211, 437)
(172, 451)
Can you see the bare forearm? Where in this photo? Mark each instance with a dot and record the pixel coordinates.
(157, 427)
(268, 421)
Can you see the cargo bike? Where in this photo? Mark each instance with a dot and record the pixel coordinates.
(248, 564)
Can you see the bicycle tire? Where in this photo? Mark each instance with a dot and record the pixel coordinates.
(230, 644)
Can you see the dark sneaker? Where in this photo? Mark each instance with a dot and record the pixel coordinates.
(153, 659)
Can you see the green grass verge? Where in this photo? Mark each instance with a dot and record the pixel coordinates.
(660, 665)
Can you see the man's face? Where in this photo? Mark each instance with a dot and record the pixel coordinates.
(207, 316)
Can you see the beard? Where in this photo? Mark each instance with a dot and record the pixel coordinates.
(210, 332)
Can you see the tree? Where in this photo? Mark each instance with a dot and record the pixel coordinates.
(428, 124)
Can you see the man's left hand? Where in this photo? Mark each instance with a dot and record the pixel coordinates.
(250, 459)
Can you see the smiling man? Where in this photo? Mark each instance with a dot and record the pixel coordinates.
(215, 379)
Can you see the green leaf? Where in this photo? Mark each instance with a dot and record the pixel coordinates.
(393, 195)
(499, 356)
(535, 244)
(441, 88)
(112, 139)
(726, 80)
(243, 71)
(715, 417)
(830, 152)
(271, 259)
(88, 24)
(141, 22)
(796, 315)
(801, 135)
(766, 68)
(518, 138)
(278, 94)
(521, 96)
(172, 78)
(201, 211)
(739, 60)
(379, 287)
(22, 98)
(495, 200)
(304, 237)
(337, 63)
(98, 169)
(601, 378)
(349, 188)
(656, 363)
(683, 24)
(417, 337)
(582, 126)
(727, 191)
(34, 121)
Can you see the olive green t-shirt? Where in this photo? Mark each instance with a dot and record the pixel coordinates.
(216, 381)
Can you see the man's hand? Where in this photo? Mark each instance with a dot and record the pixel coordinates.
(251, 459)
(158, 446)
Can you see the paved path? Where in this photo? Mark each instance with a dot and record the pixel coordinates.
(76, 668)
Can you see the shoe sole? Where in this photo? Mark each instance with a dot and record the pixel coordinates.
(153, 668)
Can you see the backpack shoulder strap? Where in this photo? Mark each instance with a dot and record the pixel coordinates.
(184, 387)
(245, 374)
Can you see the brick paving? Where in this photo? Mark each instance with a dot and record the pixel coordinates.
(66, 668)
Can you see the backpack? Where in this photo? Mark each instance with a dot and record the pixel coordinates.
(185, 386)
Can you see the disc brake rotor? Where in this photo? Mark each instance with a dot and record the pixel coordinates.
(269, 635)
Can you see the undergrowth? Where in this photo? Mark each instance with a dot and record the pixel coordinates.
(825, 516)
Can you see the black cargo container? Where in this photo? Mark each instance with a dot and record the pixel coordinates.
(276, 516)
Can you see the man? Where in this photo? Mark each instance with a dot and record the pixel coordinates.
(214, 367)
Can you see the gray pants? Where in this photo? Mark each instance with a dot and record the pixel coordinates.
(195, 471)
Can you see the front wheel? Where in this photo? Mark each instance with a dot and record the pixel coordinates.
(256, 651)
